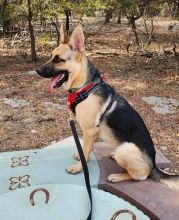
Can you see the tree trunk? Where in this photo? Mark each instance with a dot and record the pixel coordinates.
(4, 17)
(68, 14)
(119, 18)
(57, 30)
(177, 11)
(42, 21)
(134, 29)
(31, 31)
(132, 23)
(108, 15)
(132, 19)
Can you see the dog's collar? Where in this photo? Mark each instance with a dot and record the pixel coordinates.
(73, 90)
(74, 98)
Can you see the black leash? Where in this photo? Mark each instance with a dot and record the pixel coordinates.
(84, 164)
(79, 99)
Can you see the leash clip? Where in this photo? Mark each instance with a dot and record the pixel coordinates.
(71, 118)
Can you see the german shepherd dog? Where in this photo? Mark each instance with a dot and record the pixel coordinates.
(103, 113)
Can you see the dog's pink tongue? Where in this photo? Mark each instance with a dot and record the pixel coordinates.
(53, 83)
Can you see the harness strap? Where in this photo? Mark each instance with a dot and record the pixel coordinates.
(84, 164)
(113, 98)
(75, 98)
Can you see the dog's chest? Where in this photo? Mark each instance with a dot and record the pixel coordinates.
(87, 111)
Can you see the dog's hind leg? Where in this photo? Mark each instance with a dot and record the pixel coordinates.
(116, 178)
(137, 164)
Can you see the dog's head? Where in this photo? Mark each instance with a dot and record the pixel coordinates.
(67, 63)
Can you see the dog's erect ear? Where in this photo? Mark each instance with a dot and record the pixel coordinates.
(62, 33)
(77, 39)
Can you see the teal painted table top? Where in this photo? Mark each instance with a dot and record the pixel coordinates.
(22, 172)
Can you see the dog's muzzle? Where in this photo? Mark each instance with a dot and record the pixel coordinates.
(58, 76)
(47, 70)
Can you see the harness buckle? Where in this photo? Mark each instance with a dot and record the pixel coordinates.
(82, 96)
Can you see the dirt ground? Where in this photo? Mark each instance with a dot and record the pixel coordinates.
(38, 124)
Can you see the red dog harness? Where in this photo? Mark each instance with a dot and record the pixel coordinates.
(72, 96)
(76, 97)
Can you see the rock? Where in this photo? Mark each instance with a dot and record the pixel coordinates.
(54, 106)
(164, 148)
(162, 105)
(31, 72)
(28, 120)
(34, 131)
(131, 103)
(46, 118)
(15, 102)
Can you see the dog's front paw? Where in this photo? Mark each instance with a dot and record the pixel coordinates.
(113, 178)
(76, 156)
(76, 168)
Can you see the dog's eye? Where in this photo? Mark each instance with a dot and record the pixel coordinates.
(57, 59)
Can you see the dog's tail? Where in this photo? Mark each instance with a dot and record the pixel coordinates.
(172, 181)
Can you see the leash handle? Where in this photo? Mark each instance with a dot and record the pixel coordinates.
(83, 161)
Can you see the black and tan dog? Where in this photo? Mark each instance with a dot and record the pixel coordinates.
(102, 113)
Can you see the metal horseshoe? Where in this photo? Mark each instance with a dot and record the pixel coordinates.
(36, 190)
(116, 214)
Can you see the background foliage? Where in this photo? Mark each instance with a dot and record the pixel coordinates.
(20, 15)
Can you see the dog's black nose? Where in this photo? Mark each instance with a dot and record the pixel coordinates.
(45, 71)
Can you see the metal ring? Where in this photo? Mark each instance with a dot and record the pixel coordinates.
(116, 214)
(36, 190)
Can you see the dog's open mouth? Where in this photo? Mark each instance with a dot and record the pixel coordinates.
(58, 80)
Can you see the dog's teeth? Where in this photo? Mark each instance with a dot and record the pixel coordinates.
(61, 76)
